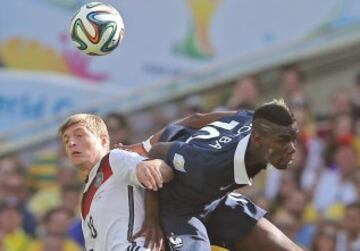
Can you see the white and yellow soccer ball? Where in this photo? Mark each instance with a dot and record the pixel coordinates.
(97, 28)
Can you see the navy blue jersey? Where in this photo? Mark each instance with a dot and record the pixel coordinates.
(175, 132)
(204, 162)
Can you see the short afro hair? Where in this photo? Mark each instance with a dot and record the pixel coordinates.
(276, 112)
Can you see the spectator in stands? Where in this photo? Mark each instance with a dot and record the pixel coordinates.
(349, 237)
(356, 179)
(287, 223)
(340, 102)
(53, 242)
(287, 187)
(57, 221)
(343, 129)
(54, 234)
(325, 237)
(118, 127)
(9, 165)
(355, 97)
(245, 93)
(304, 118)
(70, 198)
(14, 187)
(11, 219)
(49, 198)
(335, 187)
(292, 81)
(192, 104)
(297, 205)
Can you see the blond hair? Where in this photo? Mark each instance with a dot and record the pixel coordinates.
(92, 122)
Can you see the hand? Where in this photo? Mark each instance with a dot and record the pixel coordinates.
(148, 173)
(137, 148)
(153, 234)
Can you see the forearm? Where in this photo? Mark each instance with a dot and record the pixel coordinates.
(151, 205)
(151, 229)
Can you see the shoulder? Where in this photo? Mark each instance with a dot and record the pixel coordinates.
(118, 156)
(245, 114)
(118, 153)
(242, 117)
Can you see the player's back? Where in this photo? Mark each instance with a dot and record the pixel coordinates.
(205, 163)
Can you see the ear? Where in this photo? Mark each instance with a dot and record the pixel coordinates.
(105, 140)
(257, 139)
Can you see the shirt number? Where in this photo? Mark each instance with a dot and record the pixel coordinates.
(92, 228)
(212, 132)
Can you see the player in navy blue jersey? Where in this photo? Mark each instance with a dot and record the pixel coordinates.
(196, 207)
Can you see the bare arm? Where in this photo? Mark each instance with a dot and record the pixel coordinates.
(151, 229)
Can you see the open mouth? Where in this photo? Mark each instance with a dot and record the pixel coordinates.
(75, 153)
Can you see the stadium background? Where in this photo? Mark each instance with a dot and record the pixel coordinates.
(180, 57)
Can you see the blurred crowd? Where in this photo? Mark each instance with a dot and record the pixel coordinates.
(316, 202)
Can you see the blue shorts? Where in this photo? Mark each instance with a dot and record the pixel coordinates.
(224, 222)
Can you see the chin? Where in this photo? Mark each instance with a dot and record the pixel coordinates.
(280, 167)
(76, 162)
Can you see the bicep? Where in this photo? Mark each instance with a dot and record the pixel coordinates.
(123, 165)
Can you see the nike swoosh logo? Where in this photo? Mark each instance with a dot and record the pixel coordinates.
(222, 188)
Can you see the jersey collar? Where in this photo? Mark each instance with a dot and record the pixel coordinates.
(240, 175)
(91, 176)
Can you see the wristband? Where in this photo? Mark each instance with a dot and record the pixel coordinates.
(146, 144)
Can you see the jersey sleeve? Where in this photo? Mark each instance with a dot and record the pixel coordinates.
(196, 162)
(123, 165)
(176, 132)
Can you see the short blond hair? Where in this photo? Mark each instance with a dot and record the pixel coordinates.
(92, 122)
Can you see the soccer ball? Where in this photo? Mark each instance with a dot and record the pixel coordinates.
(97, 28)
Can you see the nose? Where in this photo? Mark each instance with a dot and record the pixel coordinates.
(292, 147)
(71, 142)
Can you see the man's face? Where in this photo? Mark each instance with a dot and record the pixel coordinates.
(280, 147)
(83, 148)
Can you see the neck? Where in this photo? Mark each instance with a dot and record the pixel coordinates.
(254, 160)
(86, 167)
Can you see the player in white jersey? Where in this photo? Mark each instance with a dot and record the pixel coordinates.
(112, 206)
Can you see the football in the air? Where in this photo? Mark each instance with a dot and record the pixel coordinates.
(97, 28)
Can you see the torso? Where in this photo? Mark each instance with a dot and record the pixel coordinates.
(215, 147)
(111, 210)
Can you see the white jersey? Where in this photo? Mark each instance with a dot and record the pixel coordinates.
(112, 207)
